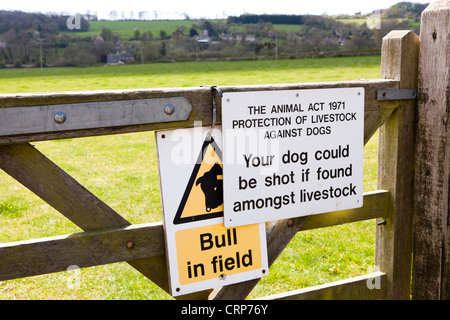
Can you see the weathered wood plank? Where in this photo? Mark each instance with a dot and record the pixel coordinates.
(86, 249)
(79, 116)
(199, 98)
(281, 232)
(39, 174)
(54, 254)
(431, 257)
(400, 51)
(367, 287)
(376, 205)
(52, 184)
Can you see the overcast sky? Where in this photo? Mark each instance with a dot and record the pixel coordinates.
(176, 9)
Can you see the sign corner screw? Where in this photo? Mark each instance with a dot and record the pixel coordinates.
(169, 109)
(59, 117)
(130, 245)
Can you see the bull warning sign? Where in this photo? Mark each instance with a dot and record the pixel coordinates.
(215, 252)
(203, 197)
(201, 252)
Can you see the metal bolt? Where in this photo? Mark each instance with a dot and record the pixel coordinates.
(290, 223)
(169, 109)
(59, 117)
(130, 245)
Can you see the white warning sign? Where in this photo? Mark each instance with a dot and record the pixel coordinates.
(291, 153)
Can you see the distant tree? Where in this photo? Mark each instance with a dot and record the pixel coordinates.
(162, 50)
(103, 57)
(273, 18)
(53, 24)
(211, 31)
(136, 34)
(193, 32)
(162, 34)
(113, 15)
(147, 36)
(107, 34)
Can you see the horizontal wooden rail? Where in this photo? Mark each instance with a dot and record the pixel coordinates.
(370, 286)
(86, 249)
(376, 205)
(200, 98)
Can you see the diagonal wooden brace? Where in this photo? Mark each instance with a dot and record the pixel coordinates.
(52, 184)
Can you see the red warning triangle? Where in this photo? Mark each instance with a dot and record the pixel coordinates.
(203, 197)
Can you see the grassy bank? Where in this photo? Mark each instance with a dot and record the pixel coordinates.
(188, 74)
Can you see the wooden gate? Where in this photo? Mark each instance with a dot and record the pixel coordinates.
(387, 106)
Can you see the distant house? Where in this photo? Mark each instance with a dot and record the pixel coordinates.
(126, 56)
(203, 37)
(226, 36)
(112, 59)
(98, 39)
(250, 38)
(119, 58)
(3, 43)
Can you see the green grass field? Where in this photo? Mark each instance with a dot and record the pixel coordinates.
(122, 171)
(187, 74)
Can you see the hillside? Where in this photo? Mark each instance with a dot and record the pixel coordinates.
(23, 35)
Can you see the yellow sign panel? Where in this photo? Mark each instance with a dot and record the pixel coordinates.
(214, 251)
(203, 197)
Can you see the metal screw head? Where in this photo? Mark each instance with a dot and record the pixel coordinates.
(169, 109)
(59, 117)
(130, 245)
(290, 223)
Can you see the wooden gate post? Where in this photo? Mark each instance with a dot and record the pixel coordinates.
(431, 263)
(400, 55)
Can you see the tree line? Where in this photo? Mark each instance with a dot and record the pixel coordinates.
(26, 39)
(273, 18)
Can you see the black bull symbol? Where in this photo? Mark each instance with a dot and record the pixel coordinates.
(211, 184)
